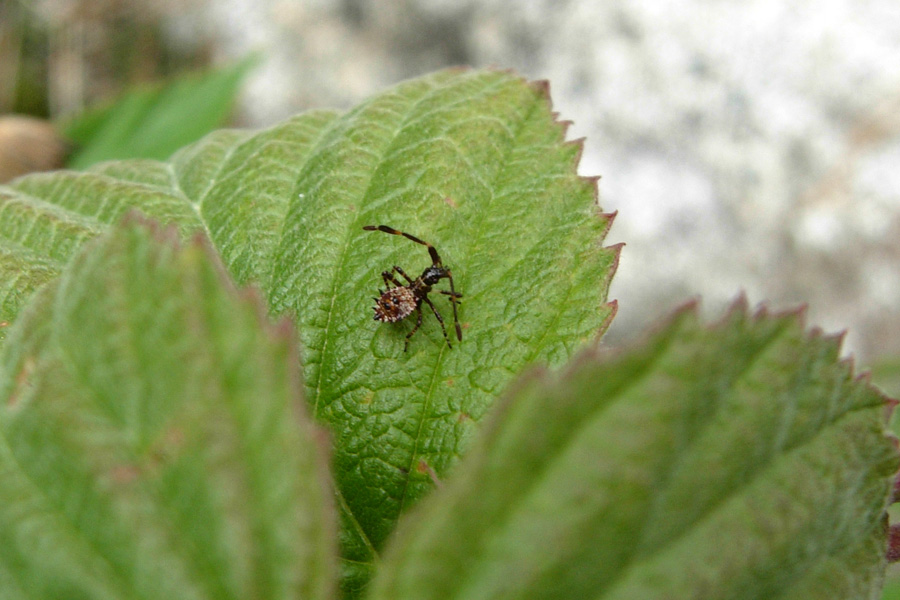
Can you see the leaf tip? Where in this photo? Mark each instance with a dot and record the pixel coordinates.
(741, 305)
(890, 404)
(836, 338)
(541, 87)
(578, 146)
(865, 378)
(613, 308)
(607, 217)
(794, 316)
(796, 313)
(616, 250)
(689, 307)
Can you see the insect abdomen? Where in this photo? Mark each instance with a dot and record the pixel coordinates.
(395, 304)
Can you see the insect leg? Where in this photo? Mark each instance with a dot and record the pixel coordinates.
(435, 257)
(439, 318)
(414, 329)
(402, 272)
(389, 278)
(454, 298)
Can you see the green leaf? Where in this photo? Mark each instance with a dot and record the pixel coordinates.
(153, 438)
(738, 461)
(474, 162)
(154, 122)
(891, 589)
(886, 373)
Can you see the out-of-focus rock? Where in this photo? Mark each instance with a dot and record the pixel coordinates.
(28, 144)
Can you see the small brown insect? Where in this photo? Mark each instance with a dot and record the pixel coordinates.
(398, 302)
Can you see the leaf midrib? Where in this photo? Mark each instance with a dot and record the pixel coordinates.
(475, 240)
(534, 482)
(340, 269)
(117, 578)
(616, 394)
(630, 562)
(747, 482)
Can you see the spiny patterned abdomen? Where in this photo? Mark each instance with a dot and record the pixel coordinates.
(395, 304)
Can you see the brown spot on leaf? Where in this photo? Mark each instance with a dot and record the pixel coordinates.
(124, 474)
(22, 378)
(423, 467)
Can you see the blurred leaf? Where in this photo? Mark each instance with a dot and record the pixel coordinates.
(891, 589)
(154, 122)
(886, 373)
(154, 441)
(472, 161)
(738, 461)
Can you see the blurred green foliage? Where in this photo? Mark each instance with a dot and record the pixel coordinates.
(155, 121)
(891, 587)
(886, 374)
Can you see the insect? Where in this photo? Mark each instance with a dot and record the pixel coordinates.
(398, 302)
